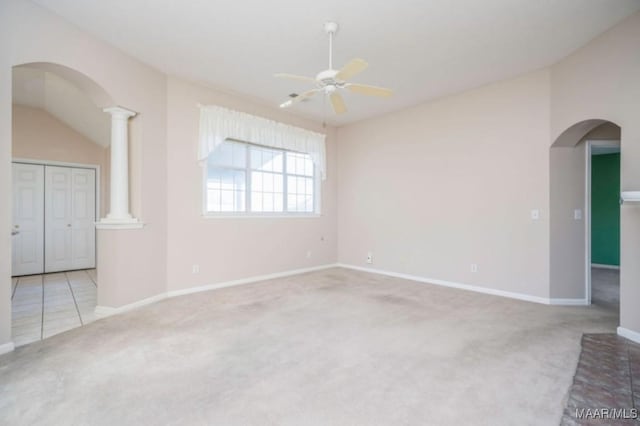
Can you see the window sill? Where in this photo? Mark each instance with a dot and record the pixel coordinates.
(262, 216)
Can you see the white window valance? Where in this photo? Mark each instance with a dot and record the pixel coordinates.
(218, 124)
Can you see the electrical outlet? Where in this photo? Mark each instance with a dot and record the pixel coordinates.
(195, 269)
(577, 214)
(309, 254)
(535, 214)
(474, 267)
(369, 257)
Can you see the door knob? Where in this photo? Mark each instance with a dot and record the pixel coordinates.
(15, 232)
(16, 226)
(68, 225)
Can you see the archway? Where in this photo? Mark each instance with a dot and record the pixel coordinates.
(58, 127)
(570, 209)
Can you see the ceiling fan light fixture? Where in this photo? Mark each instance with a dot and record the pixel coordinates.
(331, 81)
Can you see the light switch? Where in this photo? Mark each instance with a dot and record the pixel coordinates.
(535, 214)
(577, 214)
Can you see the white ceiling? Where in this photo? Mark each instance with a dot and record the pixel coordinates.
(63, 100)
(423, 49)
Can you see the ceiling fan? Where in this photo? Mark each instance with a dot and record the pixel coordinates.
(331, 82)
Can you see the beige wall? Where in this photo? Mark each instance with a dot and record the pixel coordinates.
(568, 258)
(567, 249)
(37, 135)
(228, 249)
(429, 190)
(606, 131)
(600, 81)
(436, 188)
(30, 34)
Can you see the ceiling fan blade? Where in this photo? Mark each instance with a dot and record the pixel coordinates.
(300, 97)
(295, 77)
(338, 103)
(355, 66)
(364, 89)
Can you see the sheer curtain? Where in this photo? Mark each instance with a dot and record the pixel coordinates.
(218, 124)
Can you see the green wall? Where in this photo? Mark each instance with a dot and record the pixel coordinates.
(605, 209)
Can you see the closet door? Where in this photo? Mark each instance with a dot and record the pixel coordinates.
(83, 218)
(58, 224)
(27, 230)
(70, 214)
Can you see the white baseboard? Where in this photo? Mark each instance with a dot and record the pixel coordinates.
(249, 280)
(105, 311)
(461, 286)
(629, 334)
(469, 287)
(602, 266)
(6, 348)
(569, 302)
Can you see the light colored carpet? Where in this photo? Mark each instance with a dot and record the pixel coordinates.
(335, 347)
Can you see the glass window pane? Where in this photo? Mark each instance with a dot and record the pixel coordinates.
(229, 154)
(278, 183)
(265, 159)
(278, 202)
(292, 202)
(278, 159)
(267, 202)
(256, 201)
(256, 157)
(308, 166)
(239, 155)
(291, 185)
(225, 190)
(226, 183)
(256, 182)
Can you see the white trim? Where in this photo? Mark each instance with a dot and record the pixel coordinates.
(587, 222)
(5, 348)
(461, 286)
(590, 143)
(602, 266)
(119, 225)
(105, 311)
(260, 216)
(629, 334)
(569, 302)
(630, 196)
(249, 280)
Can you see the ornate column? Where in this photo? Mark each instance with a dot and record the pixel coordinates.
(119, 214)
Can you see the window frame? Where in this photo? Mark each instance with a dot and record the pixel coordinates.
(317, 185)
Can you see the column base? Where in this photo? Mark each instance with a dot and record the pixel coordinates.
(119, 223)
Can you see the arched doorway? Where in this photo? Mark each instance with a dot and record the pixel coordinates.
(575, 278)
(60, 146)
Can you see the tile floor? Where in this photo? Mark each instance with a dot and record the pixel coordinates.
(45, 305)
(607, 376)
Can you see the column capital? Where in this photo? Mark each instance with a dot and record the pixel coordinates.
(119, 112)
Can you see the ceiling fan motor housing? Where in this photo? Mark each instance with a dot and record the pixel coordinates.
(330, 27)
(327, 77)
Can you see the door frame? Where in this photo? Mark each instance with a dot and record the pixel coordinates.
(590, 144)
(95, 167)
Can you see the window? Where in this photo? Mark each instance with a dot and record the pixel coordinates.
(243, 178)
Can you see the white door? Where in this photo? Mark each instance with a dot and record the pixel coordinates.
(69, 218)
(28, 219)
(83, 218)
